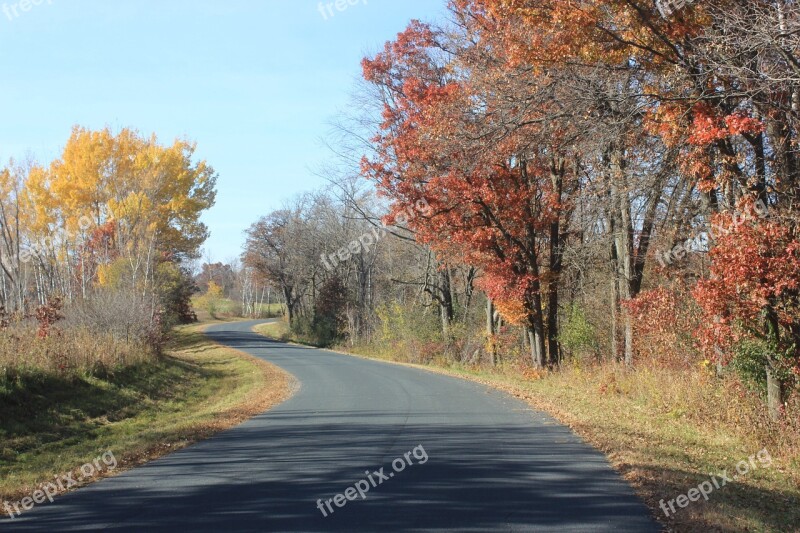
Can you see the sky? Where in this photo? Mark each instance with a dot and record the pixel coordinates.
(255, 83)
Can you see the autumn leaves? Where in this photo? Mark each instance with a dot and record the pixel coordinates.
(109, 210)
(557, 140)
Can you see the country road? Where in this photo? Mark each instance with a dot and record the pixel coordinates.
(480, 461)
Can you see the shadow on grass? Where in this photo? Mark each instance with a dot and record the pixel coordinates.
(38, 411)
(777, 511)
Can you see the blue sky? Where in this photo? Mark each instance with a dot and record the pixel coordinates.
(254, 82)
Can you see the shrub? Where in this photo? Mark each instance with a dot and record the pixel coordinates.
(577, 336)
(407, 331)
(123, 315)
(95, 339)
(665, 320)
(750, 358)
(330, 320)
(175, 287)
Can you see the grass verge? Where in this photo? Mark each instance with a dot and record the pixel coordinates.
(664, 453)
(51, 427)
(225, 308)
(666, 432)
(277, 330)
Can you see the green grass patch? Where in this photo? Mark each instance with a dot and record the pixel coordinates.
(278, 330)
(227, 308)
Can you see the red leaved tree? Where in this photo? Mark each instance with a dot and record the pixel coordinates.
(753, 294)
(493, 171)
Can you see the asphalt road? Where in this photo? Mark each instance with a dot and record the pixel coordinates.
(479, 461)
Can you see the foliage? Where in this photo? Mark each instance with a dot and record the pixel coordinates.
(751, 298)
(154, 192)
(327, 325)
(222, 274)
(72, 351)
(749, 359)
(211, 300)
(113, 212)
(47, 315)
(329, 312)
(665, 320)
(493, 202)
(407, 331)
(577, 335)
(175, 287)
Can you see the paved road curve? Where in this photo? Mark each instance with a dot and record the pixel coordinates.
(492, 464)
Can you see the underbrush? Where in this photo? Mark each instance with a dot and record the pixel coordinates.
(67, 353)
(722, 406)
(92, 340)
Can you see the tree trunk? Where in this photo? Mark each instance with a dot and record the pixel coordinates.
(446, 301)
(553, 349)
(776, 391)
(557, 169)
(614, 320)
(525, 339)
(536, 336)
(623, 242)
(628, 338)
(290, 311)
(490, 331)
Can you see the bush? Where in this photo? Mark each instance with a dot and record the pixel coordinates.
(175, 287)
(577, 336)
(750, 358)
(212, 300)
(93, 340)
(665, 320)
(122, 315)
(330, 320)
(328, 326)
(405, 331)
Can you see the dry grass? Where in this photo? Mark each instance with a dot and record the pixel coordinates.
(66, 352)
(258, 388)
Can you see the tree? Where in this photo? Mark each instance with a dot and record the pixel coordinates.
(472, 135)
(109, 213)
(284, 248)
(754, 294)
(221, 274)
(330, 312)
(211, 299)
(12, 220)
(175, 288)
